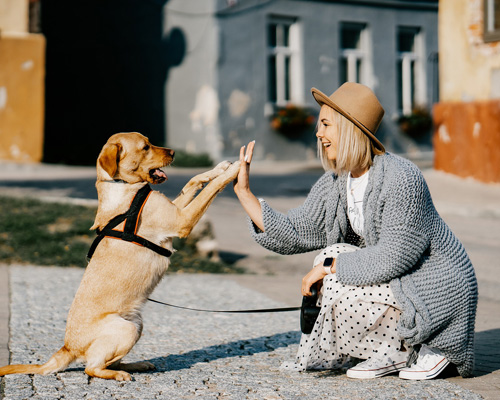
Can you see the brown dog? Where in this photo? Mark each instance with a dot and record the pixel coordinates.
(104, 321)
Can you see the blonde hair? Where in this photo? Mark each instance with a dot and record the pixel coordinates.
(355, 150)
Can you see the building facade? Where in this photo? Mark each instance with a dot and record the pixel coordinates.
(244, 60)
(467, 119)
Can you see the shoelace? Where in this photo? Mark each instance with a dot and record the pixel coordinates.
(424, 357)
(371, 363)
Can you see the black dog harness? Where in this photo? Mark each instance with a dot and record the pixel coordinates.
(129, 233)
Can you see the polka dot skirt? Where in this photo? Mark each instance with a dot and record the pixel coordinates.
(354, 321)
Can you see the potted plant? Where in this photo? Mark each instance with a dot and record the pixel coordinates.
(291, 121)
(417, 124)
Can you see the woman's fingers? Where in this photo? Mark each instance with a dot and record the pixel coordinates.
(242, 153)
(241, 183)
(316, 274)
(246, 152)
(249, 152)
(306, 290)
(306, 285)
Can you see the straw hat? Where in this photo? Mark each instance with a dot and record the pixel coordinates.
(358, 104)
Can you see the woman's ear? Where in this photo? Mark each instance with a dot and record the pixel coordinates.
(108, 159)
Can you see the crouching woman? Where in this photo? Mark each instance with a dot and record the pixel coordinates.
(398, 289)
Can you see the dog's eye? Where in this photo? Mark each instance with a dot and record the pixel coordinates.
(146, 147)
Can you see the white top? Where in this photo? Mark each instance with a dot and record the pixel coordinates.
(356, 188)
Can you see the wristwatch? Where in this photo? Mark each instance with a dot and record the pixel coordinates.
(327, 265)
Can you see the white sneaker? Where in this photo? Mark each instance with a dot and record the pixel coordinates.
(430, 363)
(373, 368)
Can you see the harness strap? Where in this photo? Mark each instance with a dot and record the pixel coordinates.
(129, 233)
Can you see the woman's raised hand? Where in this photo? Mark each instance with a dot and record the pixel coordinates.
(242, 182)
(242, 187)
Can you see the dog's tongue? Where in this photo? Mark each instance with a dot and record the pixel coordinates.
(160, 174)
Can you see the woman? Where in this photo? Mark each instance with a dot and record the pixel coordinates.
(399, 290)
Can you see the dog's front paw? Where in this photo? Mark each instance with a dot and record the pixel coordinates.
(222, 166)
(234, 169)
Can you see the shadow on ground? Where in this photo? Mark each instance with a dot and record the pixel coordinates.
(239, 348)
(487, 352)
(486, 363)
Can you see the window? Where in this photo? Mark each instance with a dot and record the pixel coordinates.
(352, 53)
(284, 77)
(410, 74)
(491, 20)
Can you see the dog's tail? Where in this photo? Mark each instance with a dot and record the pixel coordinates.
(57, 362)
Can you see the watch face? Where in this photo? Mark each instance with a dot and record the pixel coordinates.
(328, 262)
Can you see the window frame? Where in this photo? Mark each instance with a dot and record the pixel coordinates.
(282, 72)
(489, 19)
(412, 85)
(354, 55)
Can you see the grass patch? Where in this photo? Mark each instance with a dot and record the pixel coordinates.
(40, 233)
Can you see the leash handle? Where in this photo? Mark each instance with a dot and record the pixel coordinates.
(261, 310)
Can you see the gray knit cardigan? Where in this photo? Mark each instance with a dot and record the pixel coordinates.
(405, 243)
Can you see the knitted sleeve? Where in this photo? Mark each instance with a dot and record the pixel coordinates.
(402, 239)
(302, 229)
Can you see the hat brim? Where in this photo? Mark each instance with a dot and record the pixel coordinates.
(323, 99)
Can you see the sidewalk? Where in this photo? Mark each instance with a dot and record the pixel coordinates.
(470, 208)
(196, 355)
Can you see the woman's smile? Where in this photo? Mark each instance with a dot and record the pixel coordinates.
(327, 132)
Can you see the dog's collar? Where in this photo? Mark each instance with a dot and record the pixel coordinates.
(129, 233)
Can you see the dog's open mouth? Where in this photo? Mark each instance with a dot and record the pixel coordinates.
(157, 175)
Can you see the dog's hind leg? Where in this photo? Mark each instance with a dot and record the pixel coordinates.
(105, 373)
(107, 350)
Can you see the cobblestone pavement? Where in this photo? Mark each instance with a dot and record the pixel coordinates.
(197, 355)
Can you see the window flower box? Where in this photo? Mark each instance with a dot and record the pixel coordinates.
(292, 121)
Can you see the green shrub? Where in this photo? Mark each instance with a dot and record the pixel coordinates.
(184, 159)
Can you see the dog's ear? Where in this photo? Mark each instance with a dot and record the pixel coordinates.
(108, 159)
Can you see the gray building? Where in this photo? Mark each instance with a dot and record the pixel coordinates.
(245, 59)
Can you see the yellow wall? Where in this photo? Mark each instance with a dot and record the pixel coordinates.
(22, 73)
(14, 15)
(22, 81)
(469, 68)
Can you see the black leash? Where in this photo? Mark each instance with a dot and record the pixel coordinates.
(261, 310)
